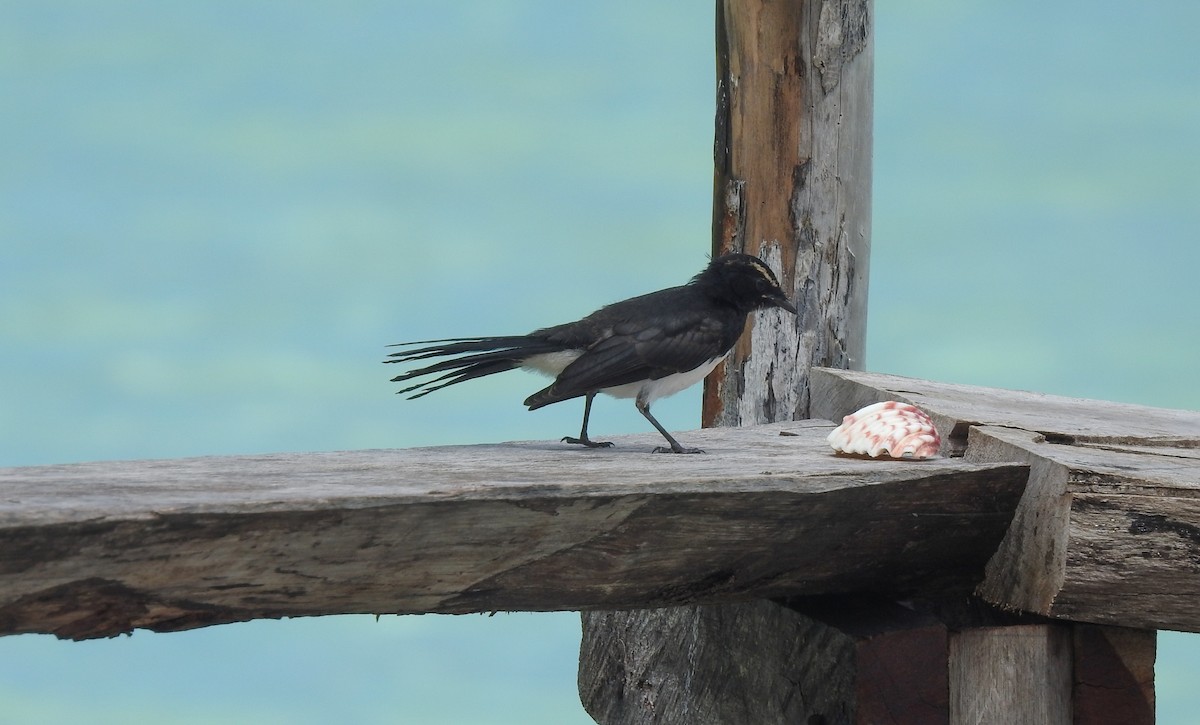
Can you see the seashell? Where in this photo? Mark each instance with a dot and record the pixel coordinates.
(890, 428)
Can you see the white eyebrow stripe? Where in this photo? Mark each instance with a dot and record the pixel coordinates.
(765, 271)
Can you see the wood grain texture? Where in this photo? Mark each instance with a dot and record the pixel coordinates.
(97, 549)
(744, 656)
(793, 185)
(1014, 674)
(819, 661)
(1081, 674)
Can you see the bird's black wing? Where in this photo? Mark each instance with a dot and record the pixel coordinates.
(647, 348)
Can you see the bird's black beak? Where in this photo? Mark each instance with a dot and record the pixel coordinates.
(782, 302)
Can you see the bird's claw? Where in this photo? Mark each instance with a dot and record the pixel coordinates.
(587, 442)
(665, 449)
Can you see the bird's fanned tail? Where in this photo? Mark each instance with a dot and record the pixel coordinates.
(475, 358)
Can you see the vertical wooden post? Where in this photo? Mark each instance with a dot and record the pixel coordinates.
(792, 185)
(1014, 674)
(1059, 673)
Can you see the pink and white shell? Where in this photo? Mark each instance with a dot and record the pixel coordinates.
(890, 428)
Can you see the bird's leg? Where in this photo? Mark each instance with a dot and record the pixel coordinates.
(583, 439)
(644, 408)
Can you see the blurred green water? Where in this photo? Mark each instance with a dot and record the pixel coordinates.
(214, 215)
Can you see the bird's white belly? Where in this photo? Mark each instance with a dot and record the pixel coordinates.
(551, 363)
(652, 390)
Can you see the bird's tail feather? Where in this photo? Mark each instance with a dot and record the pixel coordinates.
(475, 358)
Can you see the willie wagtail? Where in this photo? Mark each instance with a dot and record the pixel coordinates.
(645, 347)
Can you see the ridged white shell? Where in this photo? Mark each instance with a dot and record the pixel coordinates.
(891, 428)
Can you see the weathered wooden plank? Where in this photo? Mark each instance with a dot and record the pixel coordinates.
(1108, 530)
(100, 548)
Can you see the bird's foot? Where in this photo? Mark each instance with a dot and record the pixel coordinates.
(587, 442)
(680, 449)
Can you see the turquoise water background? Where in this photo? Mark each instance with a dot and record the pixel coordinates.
(213, 217)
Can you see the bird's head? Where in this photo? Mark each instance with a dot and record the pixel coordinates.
(744, 281)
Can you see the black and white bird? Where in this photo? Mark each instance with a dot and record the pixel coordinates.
(645, 347)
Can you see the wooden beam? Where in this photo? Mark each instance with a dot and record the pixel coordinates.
(1108, 534)
(96, 549)
(1108, 530)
